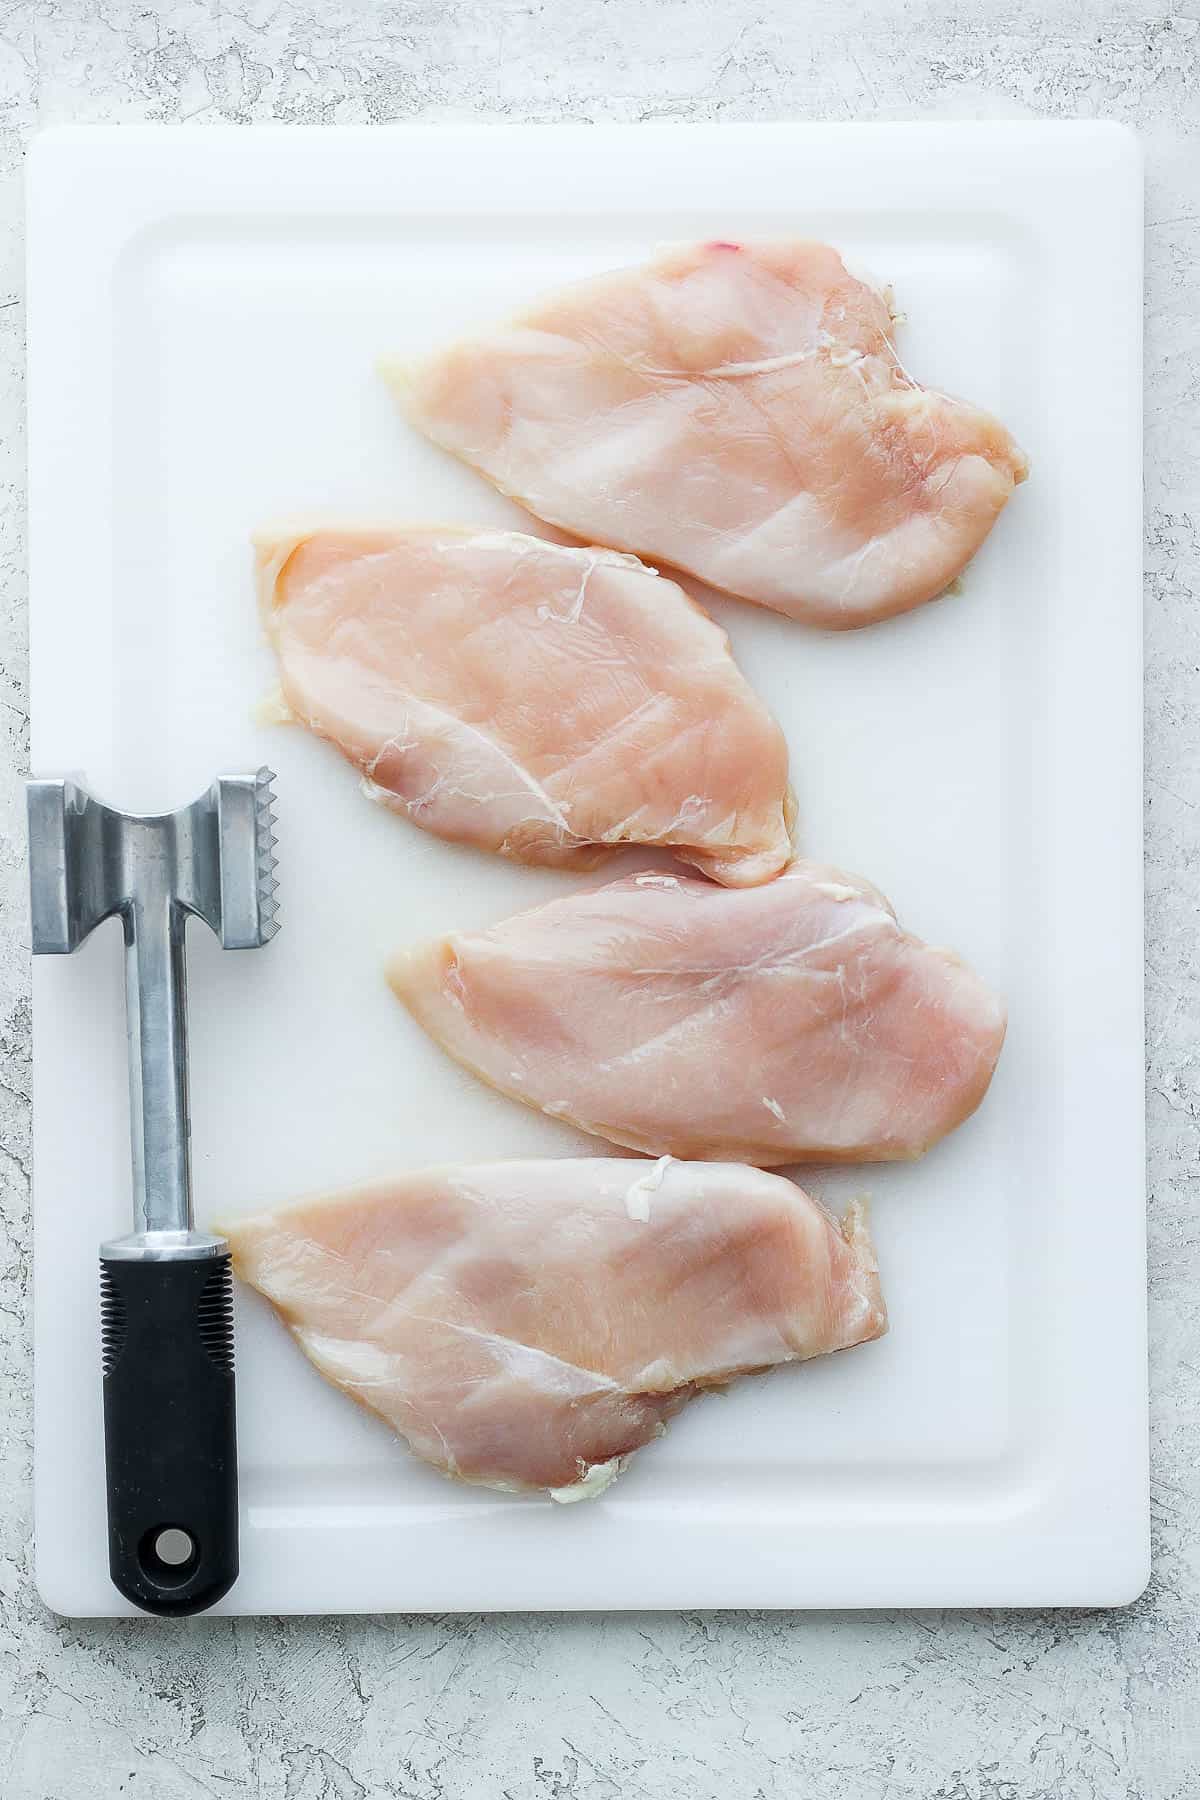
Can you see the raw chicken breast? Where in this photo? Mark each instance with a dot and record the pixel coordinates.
(528, 1325)
(547, 702)
(793, 1023)
(737, 410)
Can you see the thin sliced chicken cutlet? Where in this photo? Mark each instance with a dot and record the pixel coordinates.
(737, 411)
(546, 702)
(529, 1325)
(792, 1023)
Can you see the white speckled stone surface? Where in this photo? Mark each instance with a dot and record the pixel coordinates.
(740, 1707)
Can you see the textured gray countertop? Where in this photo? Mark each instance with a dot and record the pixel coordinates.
(1018, 1706)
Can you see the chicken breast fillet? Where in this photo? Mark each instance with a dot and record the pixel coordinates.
(545, 702)
(528, 1325)
(738, 411)
(792, 1023)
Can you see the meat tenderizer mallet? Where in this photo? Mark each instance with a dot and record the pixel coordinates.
(166, 1290)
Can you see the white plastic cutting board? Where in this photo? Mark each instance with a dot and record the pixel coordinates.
(206, 310)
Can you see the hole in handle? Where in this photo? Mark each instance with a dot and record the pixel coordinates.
(168, 1553)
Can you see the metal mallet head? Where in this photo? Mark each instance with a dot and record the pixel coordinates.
(214, 858)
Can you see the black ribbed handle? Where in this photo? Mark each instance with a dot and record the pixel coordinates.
(170, 1438)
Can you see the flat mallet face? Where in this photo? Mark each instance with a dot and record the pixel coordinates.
(166, 1289)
